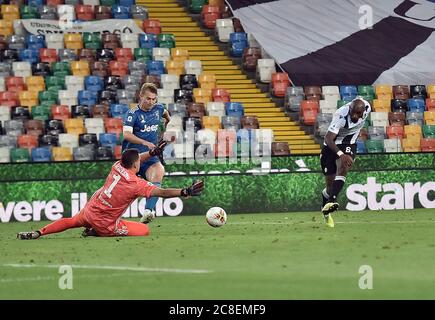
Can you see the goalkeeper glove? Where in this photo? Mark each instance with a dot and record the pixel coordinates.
(158, 150)
(194, 190)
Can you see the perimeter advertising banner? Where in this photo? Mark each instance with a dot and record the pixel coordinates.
(49, 191)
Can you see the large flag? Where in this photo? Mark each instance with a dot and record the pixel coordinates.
(332, 42)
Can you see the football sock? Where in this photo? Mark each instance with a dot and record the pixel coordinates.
(325, 197)
(151, 202)
(337, 185)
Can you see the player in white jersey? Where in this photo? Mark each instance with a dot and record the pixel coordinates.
(339, 151)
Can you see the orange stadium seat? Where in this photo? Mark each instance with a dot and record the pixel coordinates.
(202, 95)
(427, 144)
(411, 144)
(207, 80)
(35, 83)
(221, 95)
(28, 98)
(412, 131)
(27, 141)
(60, 112)
(152, 26)
(430, 104)
(395, 132)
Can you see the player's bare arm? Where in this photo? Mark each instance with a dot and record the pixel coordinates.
(166, 117)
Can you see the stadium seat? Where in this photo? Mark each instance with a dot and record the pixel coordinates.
(87, 97)
(15, 84)
(293, 98)
(265, 68)
(430, 104)
(234, 109)
(179, 109)
(348, 92)
(85, 12)
(27, 141)
(35, 83)
(401, 92)
(221, 95)
(28, 98)
(412, 131)
(384, 92)
(40, 112)
(215, 109)
(84, 153)
(212, 123)
(62, 154)
(398, 105)
(202, 95)
(379, 119)
(80, 68)
(5, 154)
(427, 144)
(103, 153)
(322, 124)
(113, 125)
(81, 111)
(226, 142)
(155, 67)
(376, 133)
(418, 91)
(41, 69)
(20, 155)
(429, 131)
(395, 132)
(280, 149)
(328, 106)
(152, 26)
(392, 145)
(250, 57)
(237, 43)
(192, 124)
(8, 141)
(230, 123)
(382, 105)
(74, 83)
(416, 105)
(207, 80)
(209, 15)
(170, 82)
(374, 146)
(34, 127)
(411, 144)
(224, 27)
(118, 110)
(249, 122)
(308, 111)
(414, 118)
(193, 67)
(175, 67)
(280, 82)
(20, 113)
(42, 154)
(183, 96)
(195, 110)
(397, 118)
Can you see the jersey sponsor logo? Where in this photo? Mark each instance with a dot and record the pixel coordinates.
(152, 128)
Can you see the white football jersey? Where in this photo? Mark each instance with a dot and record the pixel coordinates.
(347, 132)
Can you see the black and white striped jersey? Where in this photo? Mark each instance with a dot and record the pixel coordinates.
(347, 132)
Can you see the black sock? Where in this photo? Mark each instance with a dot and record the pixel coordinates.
(325, 197)
(337, 185)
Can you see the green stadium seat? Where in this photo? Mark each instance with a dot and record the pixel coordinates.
(61, 69)
(429, 131)
(367, 91)
(166, 40)
(195, 6)
(143, 54)
(55, 81)
(20, 155)
(41, 112)
(374, 146)
(108, 3)
(341, 103)
(92, 40)
(29, 12)
(48, 97)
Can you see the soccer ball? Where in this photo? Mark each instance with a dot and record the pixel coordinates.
(216, 217)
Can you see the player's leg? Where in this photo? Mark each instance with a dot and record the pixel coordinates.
(329, 180)
(342, 170)
(154, 174)
(60, 225)
(131, 228)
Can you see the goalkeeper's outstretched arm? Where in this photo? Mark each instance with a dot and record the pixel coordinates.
(194, 190)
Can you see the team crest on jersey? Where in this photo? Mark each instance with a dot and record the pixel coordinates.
(143, 119)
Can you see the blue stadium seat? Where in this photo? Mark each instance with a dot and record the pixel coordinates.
(148, 40)
(36, 3)
(41, 154)
(35, 41)
(94, 83)
(126, 3)
(118, 110)
(120, 12)
(29, 55)
(155, 67)
(238, 42)
(88, 97)
(234, 109)
(108, 140)
(360, 147)
(416, 105)
(348, 91)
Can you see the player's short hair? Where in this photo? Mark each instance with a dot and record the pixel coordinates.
(129, 157)
(148, 86)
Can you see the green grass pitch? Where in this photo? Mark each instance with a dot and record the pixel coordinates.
(258, 256)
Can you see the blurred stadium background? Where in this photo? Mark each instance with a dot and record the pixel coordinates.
(268, 74)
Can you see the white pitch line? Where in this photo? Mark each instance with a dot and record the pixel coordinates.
(47, 278)
(119, 268)
(341, 222)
